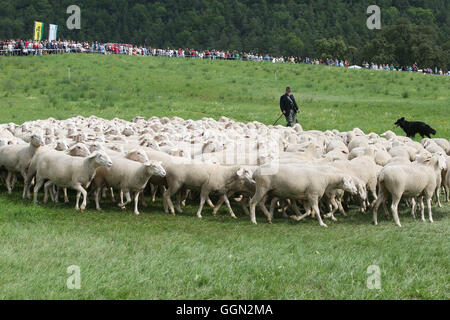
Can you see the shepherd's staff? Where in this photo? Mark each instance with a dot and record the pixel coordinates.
(278, 119)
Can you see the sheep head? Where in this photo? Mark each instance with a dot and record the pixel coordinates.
(61, 146)
(362, 192)
(246, 175)
(101, 159)
(155, 168)
(439, 161)
(348, 185)
(36, 141)
(138, 156)
(95, 146)
(79, 150)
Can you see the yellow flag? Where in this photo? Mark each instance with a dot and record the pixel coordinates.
(38, 30)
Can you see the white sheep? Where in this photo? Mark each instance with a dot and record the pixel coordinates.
(17, 158)
(444, 144)
(128, 176)
(70, 172)
(207, 178)
(447, 183)
(291, 182)
(408, 181)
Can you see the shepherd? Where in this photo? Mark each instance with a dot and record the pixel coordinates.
(289, 107)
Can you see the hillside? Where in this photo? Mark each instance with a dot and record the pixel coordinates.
(412, 30)
(123, 86)
(158, 256)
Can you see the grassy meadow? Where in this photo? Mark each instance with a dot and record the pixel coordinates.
(156, 256)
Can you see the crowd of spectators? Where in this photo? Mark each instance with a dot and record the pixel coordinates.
(30, 47)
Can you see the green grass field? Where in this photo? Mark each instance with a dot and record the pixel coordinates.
(156, 256)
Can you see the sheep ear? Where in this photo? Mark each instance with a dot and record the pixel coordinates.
(240, 172)
(92, 155)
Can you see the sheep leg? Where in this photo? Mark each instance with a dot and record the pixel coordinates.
(295, 208)
(113, 199)
(209, 202)
(14, 181)
(308, 208)
(363, 207)
(244, 203)
(266, 212)
(136, 201)
(121, 199)
(273, 205)
(66, 198)
(372, 187)
(84, 193)
(218, 205)
(386, 211)
(37, 187)
(127, 196)
(422, 209)
(377, 204)
(203, 197)
(47, 185)
(142, 199)
(24, 175)
(186, 195)
(57, 195)
(438, 196)
(77, 207)
(58, 189)
(165, 205)
(8, 182)
(178, 203)
(334, 207)
(430, 213)
(259, 195)
(313, 212)
(394, 208)
(97, 196)
(341, 209)
(27, 186)
(168, 203)
(413, 208)
(330, 208)
(171, 190)
(53, 192)
(315, 205)
(227, 202)
(153, 190)
(283, 212)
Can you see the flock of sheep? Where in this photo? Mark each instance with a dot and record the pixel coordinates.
(304, 173)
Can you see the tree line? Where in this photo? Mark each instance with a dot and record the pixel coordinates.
(412, 31)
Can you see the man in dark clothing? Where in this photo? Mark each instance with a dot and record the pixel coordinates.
(289, 107)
